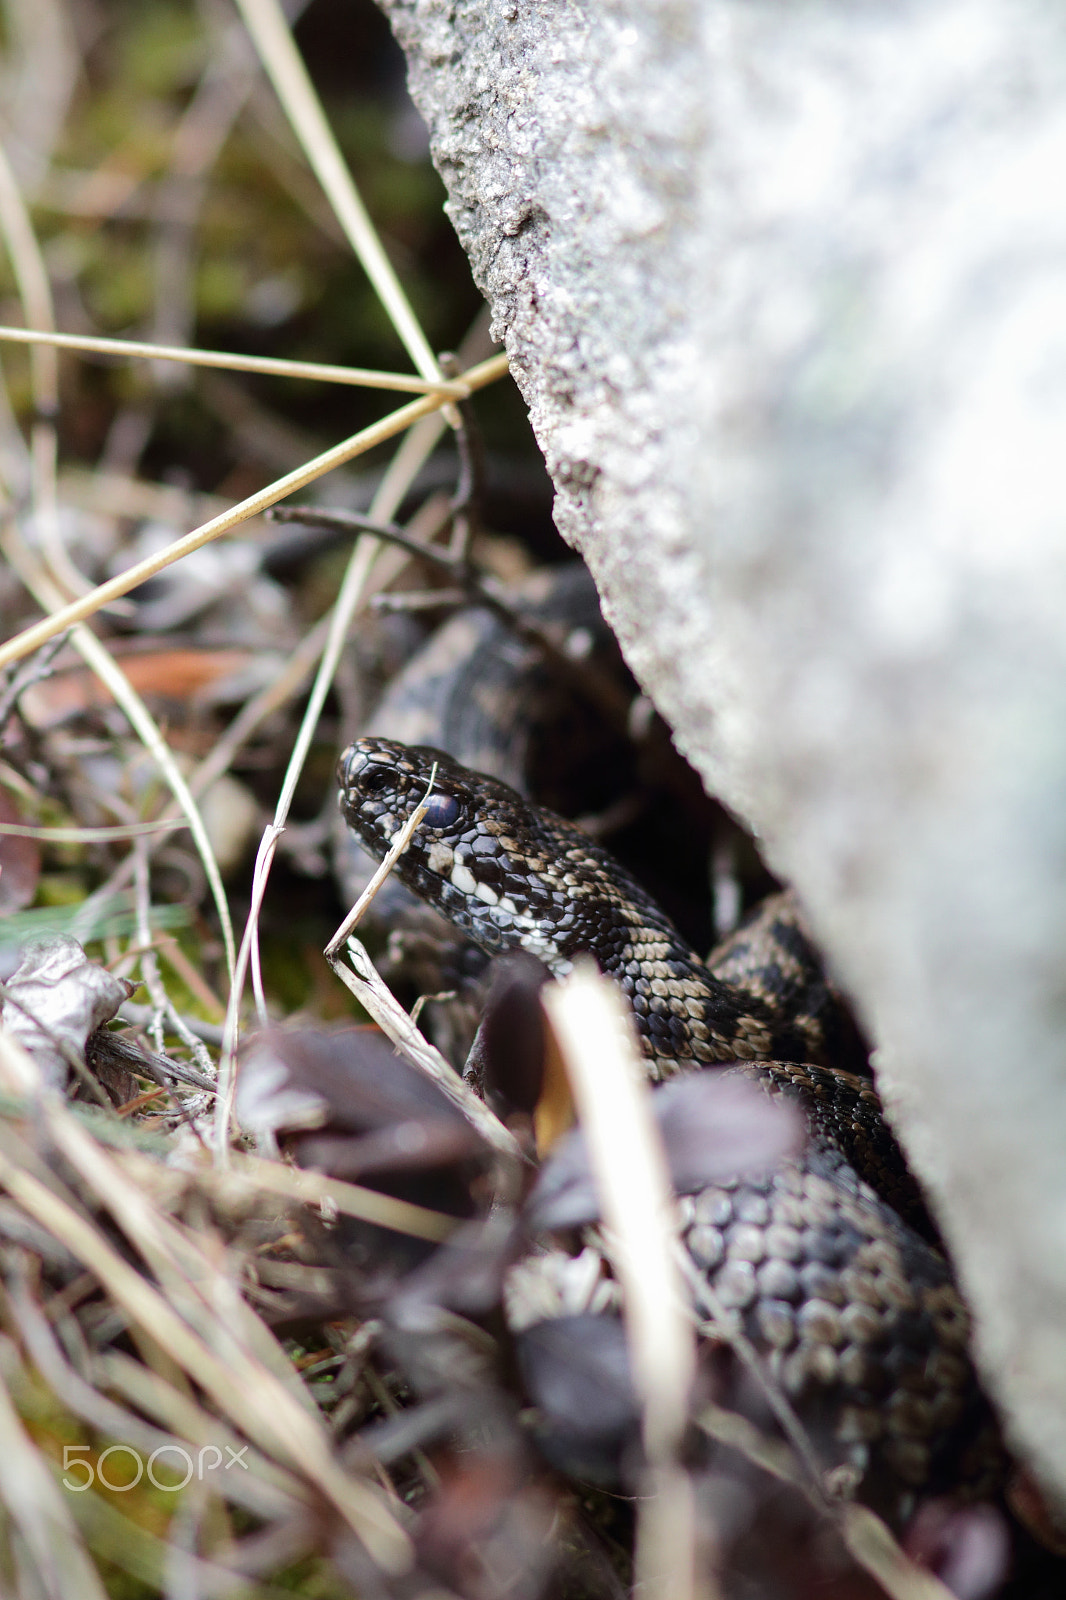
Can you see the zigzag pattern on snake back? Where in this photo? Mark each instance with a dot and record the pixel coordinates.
(853, 1313)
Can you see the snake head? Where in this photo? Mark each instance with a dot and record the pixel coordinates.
(514, 876)
(469, 858)
(382, 782)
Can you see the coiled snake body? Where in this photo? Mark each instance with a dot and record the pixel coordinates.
(853, 1313)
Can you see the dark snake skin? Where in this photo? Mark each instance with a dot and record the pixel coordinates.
(512, 875)
(852, 1312)
(480, 690)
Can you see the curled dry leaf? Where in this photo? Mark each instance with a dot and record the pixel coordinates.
(716, 1125)
(56, 998)
(370, 1109)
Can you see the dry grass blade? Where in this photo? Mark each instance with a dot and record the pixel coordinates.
(396, 850)
(321, 372)
(44, 585)
(203, 1290)
(593, 1032)
(594, 1035)
(267, 25)
(366, 557)
(312, 1188)
(874, 1548)
(263, 1488)
(165, 1304)
(264, 1409)
(378, 1001)
(110, 1243)
(129, 830)
(351, 593)
(61, 1563)
(103, 664)
(288, 682)
(268, 1488)
(35, 294)
(377, 433)
(167, 1565)
(34, 289)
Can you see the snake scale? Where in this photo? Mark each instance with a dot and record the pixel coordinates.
(853, 1313)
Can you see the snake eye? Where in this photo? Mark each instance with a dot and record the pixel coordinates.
(375, 780)
(441, 810)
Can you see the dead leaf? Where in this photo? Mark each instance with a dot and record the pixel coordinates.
(20, 860)
(57, 997)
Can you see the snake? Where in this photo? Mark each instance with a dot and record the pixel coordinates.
(479, 689)
(825, 1262)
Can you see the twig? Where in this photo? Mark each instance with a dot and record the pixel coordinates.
(66, 1050)
(469, 492)
(33, 671)
(583, 676)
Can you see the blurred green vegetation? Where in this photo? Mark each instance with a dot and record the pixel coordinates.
(261, 264)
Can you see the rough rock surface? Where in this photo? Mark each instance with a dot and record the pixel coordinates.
(785, 289)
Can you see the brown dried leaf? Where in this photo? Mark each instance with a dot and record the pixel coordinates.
(20, 860)
(344, 1103)
(178, 675)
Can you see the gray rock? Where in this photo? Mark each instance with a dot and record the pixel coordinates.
(785, 290)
